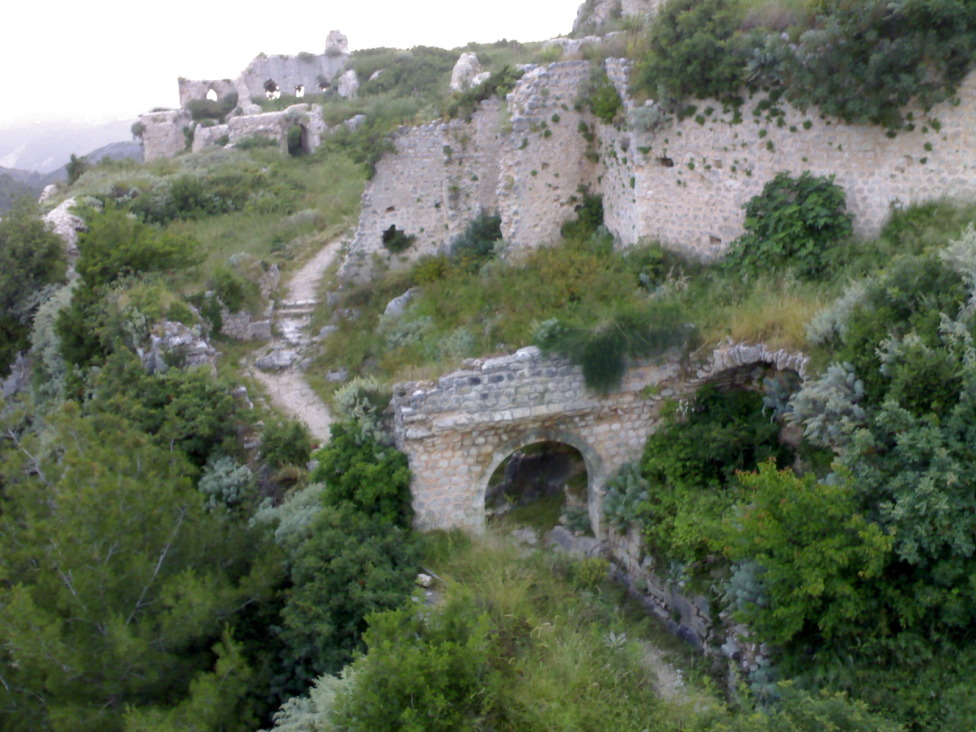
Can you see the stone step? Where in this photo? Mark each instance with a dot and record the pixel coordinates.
(293, 305)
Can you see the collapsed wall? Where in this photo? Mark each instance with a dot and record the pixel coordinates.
(683, 182)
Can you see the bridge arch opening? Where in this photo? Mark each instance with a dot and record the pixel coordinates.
(544, 478)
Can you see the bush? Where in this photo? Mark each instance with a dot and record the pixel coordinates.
(694, 53)
(589, 217)
(477, 242)
(796, 222)
(423, 671)
(602, 98)
(602, 350)
(360, 471)
(397, 241)
(201, 109)
(286, 443)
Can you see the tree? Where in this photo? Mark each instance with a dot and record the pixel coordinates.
(117, 585)
(353, 564)
(76, 167)
(32, 258)
(817, 554)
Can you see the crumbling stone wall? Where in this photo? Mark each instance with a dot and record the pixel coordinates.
(524, 159)
(441, 176)
(683, 183)
(197, 90)
(162, 133)
(313, 73)
(689, 180)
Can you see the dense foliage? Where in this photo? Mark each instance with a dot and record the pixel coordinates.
(32, 261)
(863, 62)
(795, 222)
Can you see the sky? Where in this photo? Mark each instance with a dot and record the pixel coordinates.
(112, 59)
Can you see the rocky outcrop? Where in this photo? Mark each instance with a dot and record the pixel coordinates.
(348, 84)
(467, 73)
(66, 224)
(176, 344)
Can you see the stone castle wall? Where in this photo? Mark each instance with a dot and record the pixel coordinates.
(684, 183)
(689, 180)
(162, 134)
(441, 176)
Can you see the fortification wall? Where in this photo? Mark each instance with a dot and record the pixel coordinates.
(313, 73)
(692, 178)
(544, 157)
(441, 176)
(684, 183)
(162, 134)
(197, 89)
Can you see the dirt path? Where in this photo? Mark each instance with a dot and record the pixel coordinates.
(288, 389)
(290, 393)
(304, 284)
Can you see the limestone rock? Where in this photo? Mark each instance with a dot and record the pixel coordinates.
(396, 306)
(277, 360)
(376, 74)
(348, 84)
(355, 122)
(172, 341)
(465, 70)
(49, 190)
(66, 224)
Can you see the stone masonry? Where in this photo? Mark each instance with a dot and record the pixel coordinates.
(683, 183)
(458, 430)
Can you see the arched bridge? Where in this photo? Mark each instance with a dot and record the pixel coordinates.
(458, 430)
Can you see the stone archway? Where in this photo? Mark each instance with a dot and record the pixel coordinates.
(595, 472)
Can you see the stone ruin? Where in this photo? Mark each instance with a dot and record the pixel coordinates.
(171, 132)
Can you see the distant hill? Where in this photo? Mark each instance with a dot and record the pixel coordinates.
(15, 182)
(47, 146)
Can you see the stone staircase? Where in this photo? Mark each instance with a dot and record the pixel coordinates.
(292, 319)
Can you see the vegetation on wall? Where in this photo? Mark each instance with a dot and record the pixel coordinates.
(862, 62)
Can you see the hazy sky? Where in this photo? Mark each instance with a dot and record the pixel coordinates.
(113, 59)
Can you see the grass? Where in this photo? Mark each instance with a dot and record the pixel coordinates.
(570, 645)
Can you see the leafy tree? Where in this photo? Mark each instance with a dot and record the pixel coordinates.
(352, 565)
(76, 167)
(361, 472)
(119, 591)
(817, 554)
(31, 260)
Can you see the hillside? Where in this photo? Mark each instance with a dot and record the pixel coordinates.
(642, 377)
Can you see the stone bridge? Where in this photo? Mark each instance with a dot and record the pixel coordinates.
(458, 430)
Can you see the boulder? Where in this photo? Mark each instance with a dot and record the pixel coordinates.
(348, 84)
(396, 306)
(66, 224)
(465, 70)
(176, 342)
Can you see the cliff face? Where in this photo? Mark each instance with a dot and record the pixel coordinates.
(683, 183)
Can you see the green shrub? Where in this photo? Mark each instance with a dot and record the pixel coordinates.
(795, 222)
(286, 443)
(351, 565)
(694, 53)
(204, 109)
(396, 240)
(601, 350)
(423, 671)
(589, 216)
(499, 84)
(360, 471)
(254, 142)
(477, 242)
(601, 96)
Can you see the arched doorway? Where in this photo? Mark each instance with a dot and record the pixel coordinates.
(541, 479)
